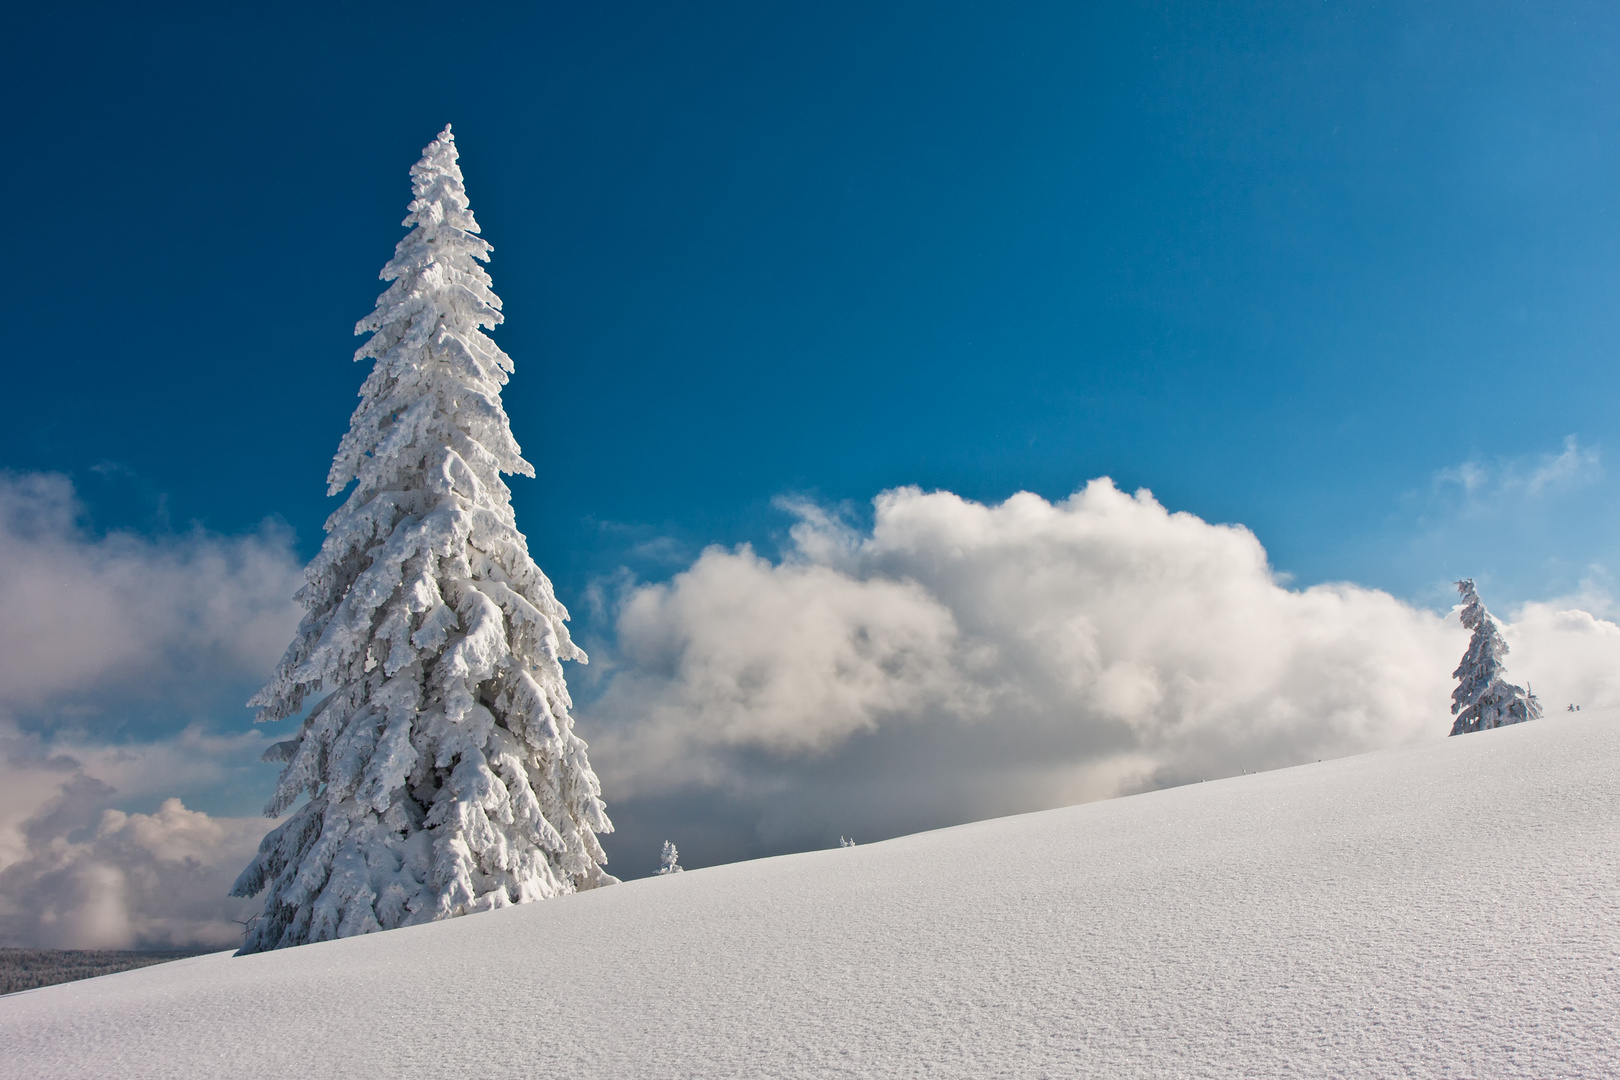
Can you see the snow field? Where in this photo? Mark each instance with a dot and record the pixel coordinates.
(1445, 910)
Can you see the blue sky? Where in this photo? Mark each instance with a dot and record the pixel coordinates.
(1282, 264)
(1343, 274)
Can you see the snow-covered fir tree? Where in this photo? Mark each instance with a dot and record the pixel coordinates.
(670, 861)
(438, 753)
(1483, 699)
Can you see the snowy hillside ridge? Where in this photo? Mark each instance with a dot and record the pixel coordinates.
(442, 769)
(1442, 910)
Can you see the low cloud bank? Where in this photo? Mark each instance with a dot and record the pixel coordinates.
(956, 661)
(1565, 653)
(112, 880)
(87, 614)
(960, 661)
(101, 634)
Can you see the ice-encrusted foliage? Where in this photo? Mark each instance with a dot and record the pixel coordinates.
(670, 861)
(1483, 699)
(438, 753)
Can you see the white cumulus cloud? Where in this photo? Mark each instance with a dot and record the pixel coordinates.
(86, 613)
(93, 631)
(119, 881)
(1566, 654)
(961, 660)
(954, 661)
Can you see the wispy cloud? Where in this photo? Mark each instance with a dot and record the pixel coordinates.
(1486, 485)
(1525, 527)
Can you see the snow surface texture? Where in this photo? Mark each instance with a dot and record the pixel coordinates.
(443, 772)
(1483, 698)
(1445, 910)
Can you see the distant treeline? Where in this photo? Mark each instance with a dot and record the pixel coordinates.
(24, 969)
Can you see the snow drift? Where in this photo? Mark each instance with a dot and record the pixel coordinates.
(1438, 910)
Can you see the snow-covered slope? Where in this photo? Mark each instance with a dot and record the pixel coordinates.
(1449, 910)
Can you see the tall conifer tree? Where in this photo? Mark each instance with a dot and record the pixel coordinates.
(1483, 698)
(438, 753)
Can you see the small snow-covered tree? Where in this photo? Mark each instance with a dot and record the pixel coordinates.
(1483, 699)
(669, 861)
(438, 753)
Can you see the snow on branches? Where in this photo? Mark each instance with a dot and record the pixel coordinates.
(437, 750)
(1483, 699)
(670, 861)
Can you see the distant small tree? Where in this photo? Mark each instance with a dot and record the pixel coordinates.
(1483, 698)
(846, 841)
(669, 861)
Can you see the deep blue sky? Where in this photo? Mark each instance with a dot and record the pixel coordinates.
(1281, 263)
